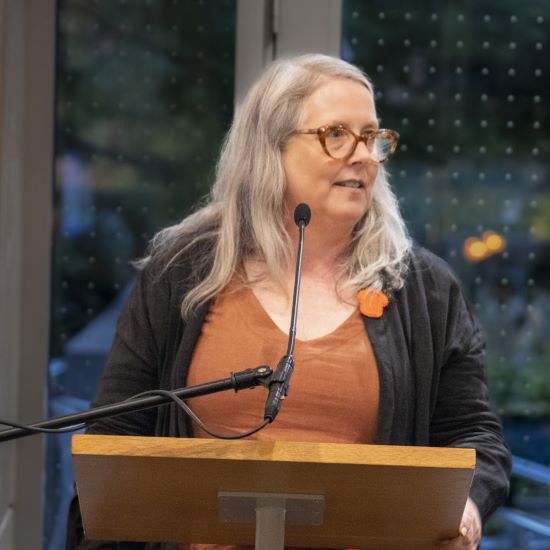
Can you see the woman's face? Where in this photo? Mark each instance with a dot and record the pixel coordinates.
(337, 191)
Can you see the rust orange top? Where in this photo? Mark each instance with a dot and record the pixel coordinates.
(334, 390)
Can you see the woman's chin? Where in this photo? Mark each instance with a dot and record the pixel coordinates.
(348, 214)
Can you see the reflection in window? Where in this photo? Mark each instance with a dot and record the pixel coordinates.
(144, 96)
(465, 86)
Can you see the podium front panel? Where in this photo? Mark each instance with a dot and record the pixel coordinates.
(166, 489)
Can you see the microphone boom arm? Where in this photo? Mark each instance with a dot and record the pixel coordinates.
(279, 382)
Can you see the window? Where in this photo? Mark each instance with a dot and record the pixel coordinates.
(144, 97)
(464, 84)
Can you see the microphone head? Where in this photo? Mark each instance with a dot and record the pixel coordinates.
(302, 214)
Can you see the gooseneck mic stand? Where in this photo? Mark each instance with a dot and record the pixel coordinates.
(279, 383)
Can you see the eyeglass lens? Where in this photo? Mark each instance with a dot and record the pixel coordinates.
(340, 142)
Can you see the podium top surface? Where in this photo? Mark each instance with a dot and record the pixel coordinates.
(278, 451)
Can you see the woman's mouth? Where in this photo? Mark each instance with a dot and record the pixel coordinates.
(353, 184)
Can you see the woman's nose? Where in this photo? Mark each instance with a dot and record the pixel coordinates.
(364, 152)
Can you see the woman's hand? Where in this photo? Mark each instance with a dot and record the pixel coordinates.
(470, 530)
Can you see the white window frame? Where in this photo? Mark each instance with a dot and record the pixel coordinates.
(271, 29)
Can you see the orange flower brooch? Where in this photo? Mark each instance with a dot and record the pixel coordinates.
(372, 302)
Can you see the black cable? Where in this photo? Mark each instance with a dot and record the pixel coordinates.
(185, 407)
(171, 395)
(43, 430)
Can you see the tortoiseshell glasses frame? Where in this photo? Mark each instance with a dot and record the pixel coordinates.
(348, 145)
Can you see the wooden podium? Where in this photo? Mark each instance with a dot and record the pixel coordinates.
(206, 491)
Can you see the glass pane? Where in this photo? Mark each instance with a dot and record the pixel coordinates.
(144, 97)
(465, 84)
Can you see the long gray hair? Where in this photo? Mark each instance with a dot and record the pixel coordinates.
(244, 216)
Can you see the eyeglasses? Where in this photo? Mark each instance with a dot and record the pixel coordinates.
(340, 142)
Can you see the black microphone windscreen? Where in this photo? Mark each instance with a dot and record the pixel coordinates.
(302, 213)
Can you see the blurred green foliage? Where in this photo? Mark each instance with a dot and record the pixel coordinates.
(465, 83)
(145, 94)
(144, 97)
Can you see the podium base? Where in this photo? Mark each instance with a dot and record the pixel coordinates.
(271, 512)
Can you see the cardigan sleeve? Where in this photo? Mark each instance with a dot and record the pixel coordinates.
(133, 366)
(462, 415)
(134, 362)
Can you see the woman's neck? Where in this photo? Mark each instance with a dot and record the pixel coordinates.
(323, 250)
(321, 274)
(321, 262)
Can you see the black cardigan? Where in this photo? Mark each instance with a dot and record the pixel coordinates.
(428, 347)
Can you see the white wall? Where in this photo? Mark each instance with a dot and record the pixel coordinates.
(26, 155)
(10, 259)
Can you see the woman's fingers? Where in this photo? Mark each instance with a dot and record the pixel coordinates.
(470, 530)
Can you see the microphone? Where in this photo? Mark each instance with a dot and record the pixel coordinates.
(279, 383)
(302, 214)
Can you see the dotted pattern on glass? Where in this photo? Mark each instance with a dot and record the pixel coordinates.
(464, 85)
(144, 95)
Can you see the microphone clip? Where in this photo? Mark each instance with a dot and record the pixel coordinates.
(282, 372)
(278, 387)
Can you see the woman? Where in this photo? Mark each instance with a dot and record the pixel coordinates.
(381, 322)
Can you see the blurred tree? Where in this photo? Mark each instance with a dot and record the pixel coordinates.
(144, 97)
(464, 84)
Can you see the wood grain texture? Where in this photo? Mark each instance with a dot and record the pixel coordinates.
(165, 489)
